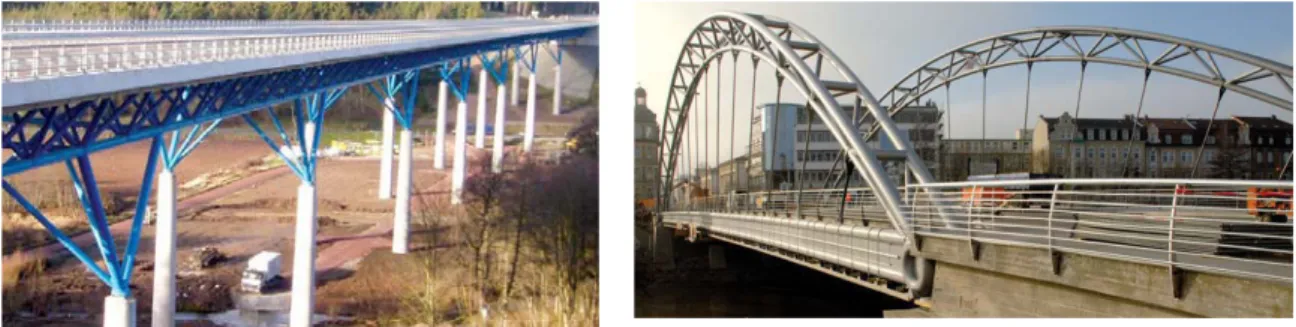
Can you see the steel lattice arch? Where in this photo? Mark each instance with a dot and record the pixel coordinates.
(883, 252)
(1092, 44)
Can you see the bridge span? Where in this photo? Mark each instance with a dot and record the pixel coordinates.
(72, 88)
(878, 217)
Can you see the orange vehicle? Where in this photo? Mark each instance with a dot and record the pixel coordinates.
(1005, 196)
(1270, 205)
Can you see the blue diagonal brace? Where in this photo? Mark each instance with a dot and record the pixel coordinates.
(58, 234)
(141, 210)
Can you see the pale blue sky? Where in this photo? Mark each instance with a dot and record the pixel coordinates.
(881, 42)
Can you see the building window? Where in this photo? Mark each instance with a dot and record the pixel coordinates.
(1186, 156)
(1102, 153)
(1208, 155)
(1210, 140)
(1186, 139)
(1152, 157)
(1166, 139)
(1270, 155)
(1089, 135)
(1091, 151)
(1077, 153)
(1167, 157)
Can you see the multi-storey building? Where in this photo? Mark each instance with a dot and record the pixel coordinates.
(788, 144)
(1087, 147)
(1268, 143)
(646, 150)
(964, 157)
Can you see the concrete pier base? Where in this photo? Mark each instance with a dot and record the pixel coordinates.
(119, 311)
(461, 137)
(479, 136)
(529, 137)
(164, 252)
(497, 152)
(557, 94)
(400, 229)
(438, 153)
(303, 277)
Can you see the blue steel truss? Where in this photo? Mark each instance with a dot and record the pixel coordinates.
(116, 272)
(392, 86)
(497, 65)
(458, 87)
(527, 56)
(62, 131)
(308, 109)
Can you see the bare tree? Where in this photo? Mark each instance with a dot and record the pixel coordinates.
(484, 192)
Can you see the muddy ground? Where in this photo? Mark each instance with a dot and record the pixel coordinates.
(243, 219)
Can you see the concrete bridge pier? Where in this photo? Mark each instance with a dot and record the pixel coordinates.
(400, 229)
(663, 247)
(119, 311)
(497, 152)
(461, 138)
(385, 163)
(438, 153)
(479, 139)
(513, 100)
(557, 89)
(164, 252)
(303, 277)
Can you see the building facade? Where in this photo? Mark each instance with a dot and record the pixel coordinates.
(1233, 148)
(646, 150)
(965, 157)
(788, 144)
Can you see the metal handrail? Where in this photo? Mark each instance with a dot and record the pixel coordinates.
(1241, 228)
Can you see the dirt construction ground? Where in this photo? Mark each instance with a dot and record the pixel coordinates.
(255, 213)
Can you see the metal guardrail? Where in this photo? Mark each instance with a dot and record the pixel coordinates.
(1241, 228)
(44, 59)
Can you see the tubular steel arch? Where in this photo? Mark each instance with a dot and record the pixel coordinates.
(788, 49)
(1029, 46)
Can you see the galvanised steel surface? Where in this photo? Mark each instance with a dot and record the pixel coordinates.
(52, 133)
(789, 49)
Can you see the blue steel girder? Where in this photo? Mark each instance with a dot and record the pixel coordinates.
(403, 109)
(527, 56)
(62, 131)
(116, 273)
(309, 109)
(555, 53)
(460, 86)
(497, 65)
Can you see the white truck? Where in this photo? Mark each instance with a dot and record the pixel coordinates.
(262, 273)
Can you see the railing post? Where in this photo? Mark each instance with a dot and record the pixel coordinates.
(1176, 275)
(1056, 259)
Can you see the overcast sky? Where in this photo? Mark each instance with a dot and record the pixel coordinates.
(881, 42)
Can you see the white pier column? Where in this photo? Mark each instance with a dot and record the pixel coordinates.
(439, 154)
(303, 277)
(164, 252)
(385, 164)
(513, 100)
(479, 139)
(497, 153)
(119, 311)
(461, 141)
(557, 90)
(400, 230)
(530, 114)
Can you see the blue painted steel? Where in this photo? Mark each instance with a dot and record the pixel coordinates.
(78, 127)
(57, 233)
(458, 87)
(99, 222)
(394, 84)
(311, 109)
(500, 73)
(141, 210)
(556, 53)
(527, 56)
